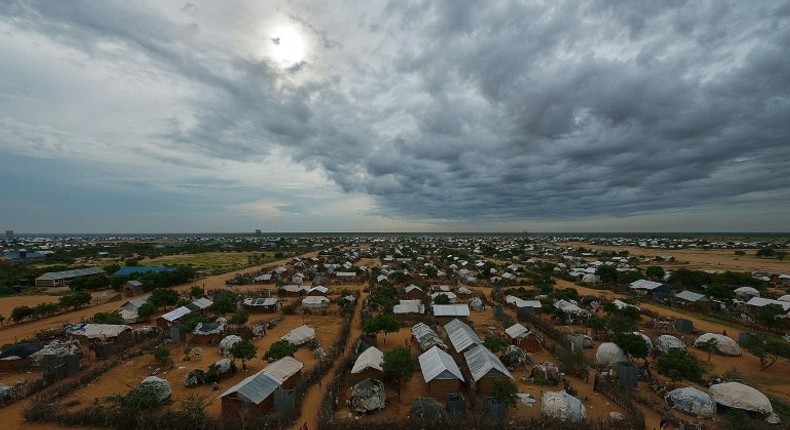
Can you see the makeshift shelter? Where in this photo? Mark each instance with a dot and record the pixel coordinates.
(724, 345)
(224, 368)
(368, 365)
(476, 304)
(407, 309)
(514, 355)
(426, 338)
(173, 316)
(667, 342)
(523, 338)
(226, 343)
(548, 371)
(208, 333)
(195, 378)
(740, 396)
(286, 370)
(440, 373)
(562, 406)
(691, 401)
(300, 335)
(18, 356)
(746, 293)
(368, 395)
(160, 386)
(447, 313)
(610, 354)
(426, 407)
(251, 397)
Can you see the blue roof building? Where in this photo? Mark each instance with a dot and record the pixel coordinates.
(130, 270)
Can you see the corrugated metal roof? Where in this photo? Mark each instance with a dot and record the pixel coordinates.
(255, 388)
(176, 313)
(409, 307)
(516, 330)
(690, 296)
(411, 288)
(135, 303)
(294, 288)
(644, 284)
(283, 368)
(482, 362)
(97, 331)
(75, 273)
(435, 363)
(461, 310)
(260, 301)
(300, 335)
(202, 303)
(370, 358)
(761, 301)
(461, 335)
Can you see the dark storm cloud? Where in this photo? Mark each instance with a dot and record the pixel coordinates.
(489, 111)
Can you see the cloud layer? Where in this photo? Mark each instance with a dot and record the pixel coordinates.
(422, 113)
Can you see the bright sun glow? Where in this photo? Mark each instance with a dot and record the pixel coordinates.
(287, 46)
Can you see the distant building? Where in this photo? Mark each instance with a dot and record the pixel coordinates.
(9, 234)
(258, 232)
(132, 288)
(60, 279)
(131, 270)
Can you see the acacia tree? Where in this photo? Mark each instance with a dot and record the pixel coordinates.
(770, 316)
(503, 391)
(399, 366)
(655, 272)
(632, 344)
(385, 323)
(278, 350)
(164, 297)
(146, 311)
(243, 351)
(710, 345)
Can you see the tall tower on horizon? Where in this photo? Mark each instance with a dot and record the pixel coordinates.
(9, 234)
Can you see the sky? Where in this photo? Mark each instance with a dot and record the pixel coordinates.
(435, 116)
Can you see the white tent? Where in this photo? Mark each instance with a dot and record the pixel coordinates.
(159, 385)
(226, 343)
(300, 335)
(746, 292)
(724, 344)
(785, 298)
(610, 354)
(739, 396)
(691, 401)
(665, 342)
(562, 406)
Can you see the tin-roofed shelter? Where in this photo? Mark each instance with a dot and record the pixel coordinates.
(60, 279)
(461, 335)
(286, 370)
(255, 395)
(173, 316)
(132, 288)
(484, 366)
(440, 373)
(260, 304)
(426, 338)
(300, 335)
(523, 338)
(200, 304)
(447, 313)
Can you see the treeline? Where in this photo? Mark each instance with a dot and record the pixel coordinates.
(69, 301)
(718, 285)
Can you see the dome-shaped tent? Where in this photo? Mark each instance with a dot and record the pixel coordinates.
(746, 292)
(724, 344)
(610, 354)
(740, 396)
(785, 298)
(562, 406)
(158, 385)
(666, 342)
(368, 395)
(226, 343)
(691, 401)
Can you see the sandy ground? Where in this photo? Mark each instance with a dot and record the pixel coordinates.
(716, 259)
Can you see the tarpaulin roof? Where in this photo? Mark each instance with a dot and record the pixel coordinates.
(371, 358)
(740, 396)
(437, 364)
(300, 335)
(283, 368)
(610, 354)
(692, 401)
(368, 395)
(97, 331)
(21, 350)
(665, 342)
(562, 406)
(516, 330)
(724, 344)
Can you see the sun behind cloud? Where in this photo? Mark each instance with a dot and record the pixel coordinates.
(287, 46)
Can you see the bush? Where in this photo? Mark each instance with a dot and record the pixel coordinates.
(677, 364)
(107, 318)
(278, 350)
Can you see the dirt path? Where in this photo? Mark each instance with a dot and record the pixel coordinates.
(312, 400)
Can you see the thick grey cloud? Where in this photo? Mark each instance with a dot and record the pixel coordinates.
(464, 111)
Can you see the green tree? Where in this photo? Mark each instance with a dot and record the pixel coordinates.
(503, 391)
(596, 323)
(632, 344)
(385, 323)
(608, 274)
(161, 354)
(239, 318)
(164, 297)
(226, 303)
(768, 351)
(441, 299)
(655, 273)
(192, 411)
(770, 315)
(399, 366)
(620, 324)
(20, 313)
(766, 252)
(494, 343)
(196, 292)
(278, 350)
(677, 365)
(107, 318)
(243, 351)
(75, 300)
(146, 311)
